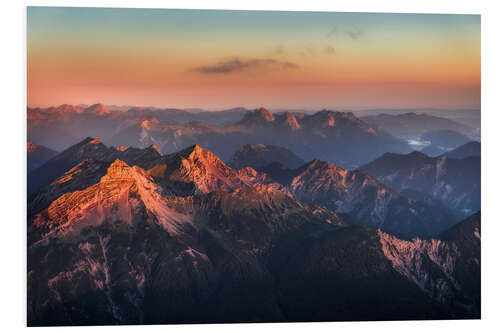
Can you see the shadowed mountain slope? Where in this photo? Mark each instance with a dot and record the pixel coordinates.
(370, 202)
(260, 155)
(38, 155)
(469, 149)
(457, 183)
(89, 148)
(126, 251)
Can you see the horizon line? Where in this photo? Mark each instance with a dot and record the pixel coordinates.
(344, 109)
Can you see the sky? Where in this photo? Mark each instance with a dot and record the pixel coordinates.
(216, 59)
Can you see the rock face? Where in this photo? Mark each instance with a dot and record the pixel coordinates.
(184, 238)
(349, 263)
(455, 258)
(89, 148)
(191, 171)
(457, 183)
(195, 170)
(129, 254)
(260, 155)
(363, 197)
(38, 155)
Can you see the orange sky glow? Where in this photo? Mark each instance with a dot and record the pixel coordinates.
(222, 59)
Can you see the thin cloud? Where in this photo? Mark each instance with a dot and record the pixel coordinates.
(329, 49)
(278, 49)
(353, 33)
(318, 51)
(236, 65)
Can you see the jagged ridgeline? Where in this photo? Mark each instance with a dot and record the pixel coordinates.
(121, 235)
(333, 136)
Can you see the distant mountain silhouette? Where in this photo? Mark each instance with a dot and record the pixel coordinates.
(455, 182)
(351, 142)
(412, 124)
(38, 155)
(260, 155)
(445, 139)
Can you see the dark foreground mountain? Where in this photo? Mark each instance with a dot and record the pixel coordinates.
(126, 250)
(260, 155)
(456, 183)
(38, 155)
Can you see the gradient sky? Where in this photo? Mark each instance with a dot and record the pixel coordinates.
(221, 59)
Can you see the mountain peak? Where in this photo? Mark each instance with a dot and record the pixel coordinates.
(197, 154)
(191, 151)
(203, 172)
(417, 154)
(31, 146)
(118, 164)
(95, 141)
(291, 121)
(469, 149)
(318, 163)
(320, 119)
(68, 108)
(264, 113)
(258, 116)
(89, 141)
(118, 170)
(98, 109)
(318, 167)
(155, 148)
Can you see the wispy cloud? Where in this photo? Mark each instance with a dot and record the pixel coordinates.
(329, 49)
(278, 49)
(235, 65)
(318, 51)
(353, 33)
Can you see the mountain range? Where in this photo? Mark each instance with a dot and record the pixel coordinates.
(351, 142)
(455, 182)
(58, 127)
(192, 216)
(195, 170)
(132, 236)
(412, 124)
